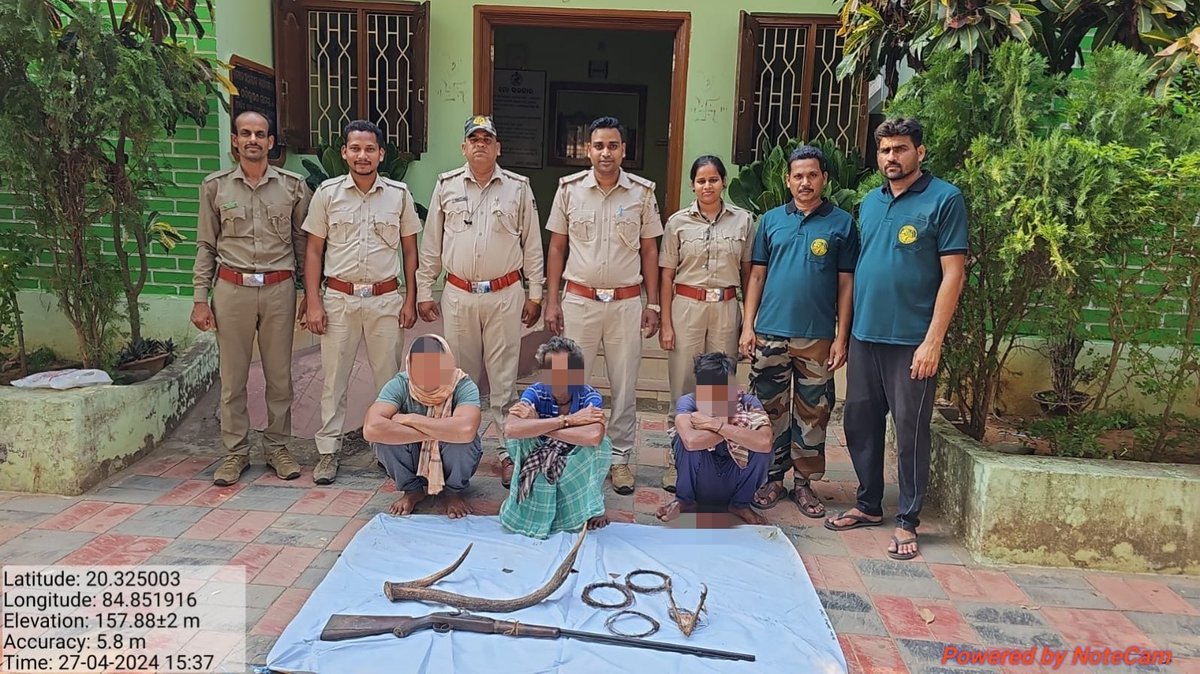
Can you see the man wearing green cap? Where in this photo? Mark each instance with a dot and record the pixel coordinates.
(483, 231)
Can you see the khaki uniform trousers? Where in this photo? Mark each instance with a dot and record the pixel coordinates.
(350, 319)
(240, 312)
(700, 327)
(484, 332)
(617, 325)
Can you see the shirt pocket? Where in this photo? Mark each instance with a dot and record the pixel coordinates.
(234, 222)
(581, 225)
(911, 234)
(342, 227)
(821, 249)
(732, 248)
(456, 216)
(693, 244)
(386, 226)
(629, 226)
(279, 218)
(504, 217)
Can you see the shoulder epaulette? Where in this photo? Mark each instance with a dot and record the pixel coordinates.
(572, 178)
(644, 182)
(450, 174)
(394, 183)
(515, 176)
(289, 174)
(218, 174)
(330, 182)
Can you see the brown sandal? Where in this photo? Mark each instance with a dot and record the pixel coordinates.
(769, 495)
(805, 498)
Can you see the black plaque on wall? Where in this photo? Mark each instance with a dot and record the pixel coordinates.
(256, 91)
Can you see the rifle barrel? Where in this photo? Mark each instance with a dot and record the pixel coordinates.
(655, 645)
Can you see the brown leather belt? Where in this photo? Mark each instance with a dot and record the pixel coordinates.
(484, 286)
(706, 294)
(362, 289)
(253, 280)
(604, 294)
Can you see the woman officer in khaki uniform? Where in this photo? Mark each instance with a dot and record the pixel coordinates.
(705, 261)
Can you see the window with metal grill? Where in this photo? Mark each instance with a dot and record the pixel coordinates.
(338, 61)
(787, 86)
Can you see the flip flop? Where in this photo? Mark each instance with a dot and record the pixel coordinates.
(778, 492)
(897, 555)
(859, 521)
(800, 506)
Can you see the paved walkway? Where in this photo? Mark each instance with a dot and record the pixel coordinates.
(890, 616)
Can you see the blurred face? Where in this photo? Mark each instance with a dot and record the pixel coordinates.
(716, 401)
(708, 185)
(806, 181)
(430, 370)
(362, 153)
(607, 151)
(898, 158)
(559, 375)
(250, 139)
(481, 149)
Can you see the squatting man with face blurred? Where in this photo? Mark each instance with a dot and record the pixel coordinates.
(424, 428)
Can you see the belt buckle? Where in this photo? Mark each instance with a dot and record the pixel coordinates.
(254, 280)
(364, 289)
(713, 294)
(481, 286)
(605, 294)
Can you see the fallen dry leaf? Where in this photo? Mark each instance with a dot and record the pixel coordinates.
(926, 615)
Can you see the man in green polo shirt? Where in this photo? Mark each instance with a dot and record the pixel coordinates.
(796, 328)
(910, 276)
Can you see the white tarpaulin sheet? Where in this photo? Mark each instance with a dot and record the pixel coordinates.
(760, 601)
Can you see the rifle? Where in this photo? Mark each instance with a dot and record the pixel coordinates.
(341, 627)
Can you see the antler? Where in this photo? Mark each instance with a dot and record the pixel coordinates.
(408, 591)
(686, 620)
(435, 577)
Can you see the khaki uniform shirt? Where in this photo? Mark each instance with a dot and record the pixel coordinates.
(481, 233)
(708, 255)
(249, 229)
(362, 232)
(605, 230)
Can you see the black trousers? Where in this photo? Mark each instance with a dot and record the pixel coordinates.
(878, 381)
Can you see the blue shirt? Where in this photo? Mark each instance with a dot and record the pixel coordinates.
(687, 405)
(541, 396)
(900, 268)
(803, 255)
(395, 392)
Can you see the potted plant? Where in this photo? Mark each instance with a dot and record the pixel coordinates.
(146, 355)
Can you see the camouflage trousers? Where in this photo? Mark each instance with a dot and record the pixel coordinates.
(791, 379)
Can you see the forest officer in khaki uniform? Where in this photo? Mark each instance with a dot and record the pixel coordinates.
(610, 220)
(483, 230)
(249, 248)
(361, 225)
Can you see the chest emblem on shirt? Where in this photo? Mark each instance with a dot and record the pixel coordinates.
(819, 247)
(907, 235)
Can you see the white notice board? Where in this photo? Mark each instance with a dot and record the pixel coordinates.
(519, 110)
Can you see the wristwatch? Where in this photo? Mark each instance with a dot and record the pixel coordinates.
(654, 307)
(565, 421)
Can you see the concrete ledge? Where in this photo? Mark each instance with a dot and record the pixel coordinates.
(1052, 511)
(64, 442)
